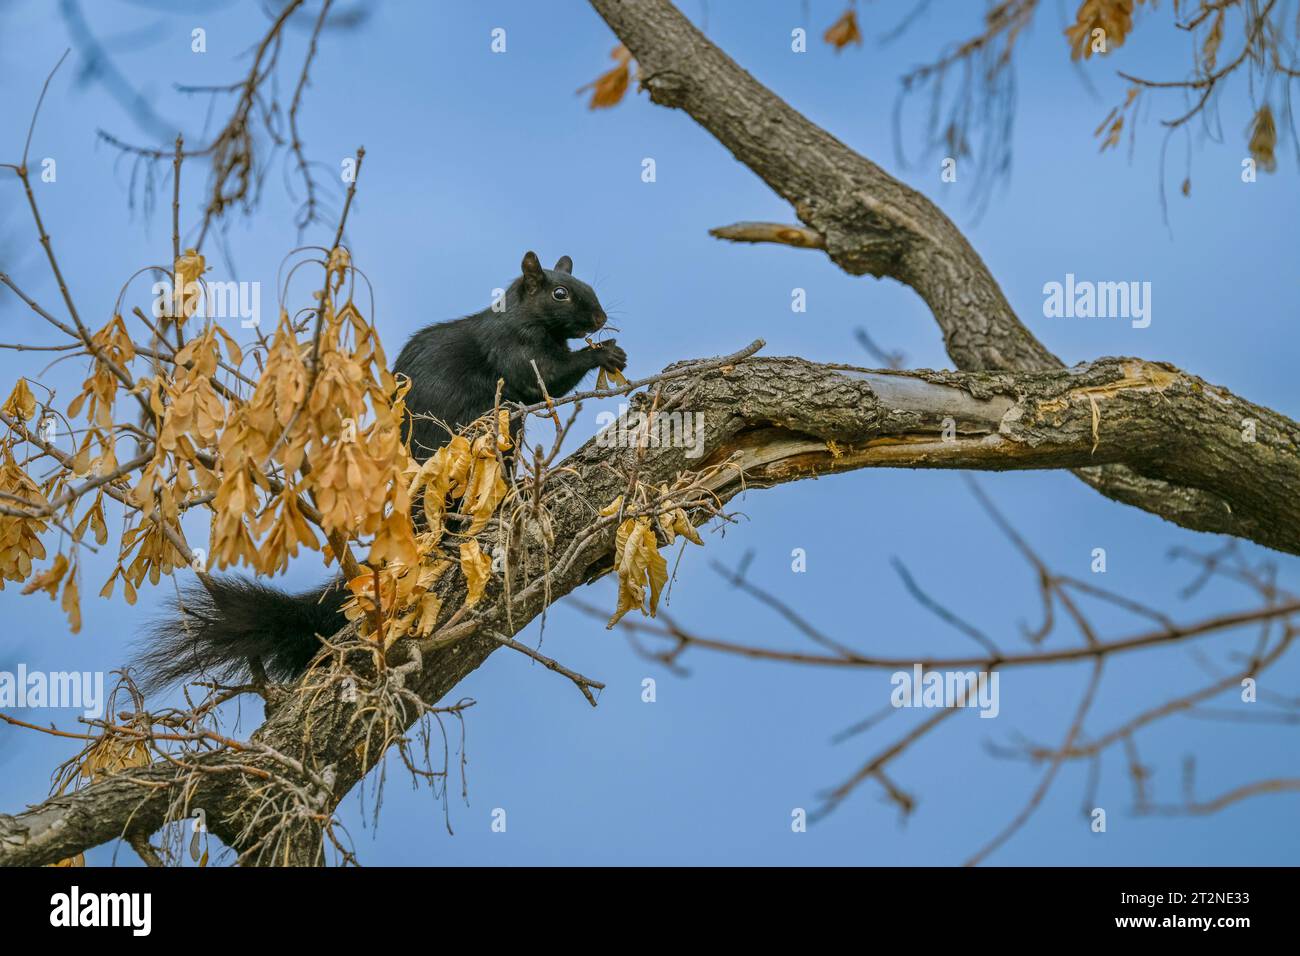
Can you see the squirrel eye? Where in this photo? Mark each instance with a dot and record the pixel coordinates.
(559, 293)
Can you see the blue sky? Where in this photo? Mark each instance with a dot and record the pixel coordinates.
(474, 157)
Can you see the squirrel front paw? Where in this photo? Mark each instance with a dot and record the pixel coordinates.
(609, 356)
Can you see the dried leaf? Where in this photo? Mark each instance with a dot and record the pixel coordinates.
(638, 563)
(1210, 49)
(1113, 17)
(503, 430)
(49, 579)
(476, 566)
(609, 88)
(21, 403)
(189, 267)
(71, 603)
(340, 263)
(1263, 139)
(844, 31)
(682, 525)
(232, 347)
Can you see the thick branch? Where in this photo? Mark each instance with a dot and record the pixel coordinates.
(868, 222)
(772, 421)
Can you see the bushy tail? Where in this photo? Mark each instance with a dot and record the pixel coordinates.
(217, 628)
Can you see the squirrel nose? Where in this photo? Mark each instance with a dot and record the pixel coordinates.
(600, 319)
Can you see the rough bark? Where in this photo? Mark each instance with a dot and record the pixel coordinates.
(774, 420)
(868, 223)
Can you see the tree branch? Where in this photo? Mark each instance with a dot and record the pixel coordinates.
(869, 223)
(766, 422)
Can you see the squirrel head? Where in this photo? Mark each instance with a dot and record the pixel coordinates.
(565, 307)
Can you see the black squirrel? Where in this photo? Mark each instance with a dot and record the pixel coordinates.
(218, 629)
(454, 366)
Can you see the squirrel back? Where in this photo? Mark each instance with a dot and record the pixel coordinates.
(218, 627)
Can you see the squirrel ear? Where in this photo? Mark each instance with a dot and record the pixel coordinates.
(564, 264)
(532, 267)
